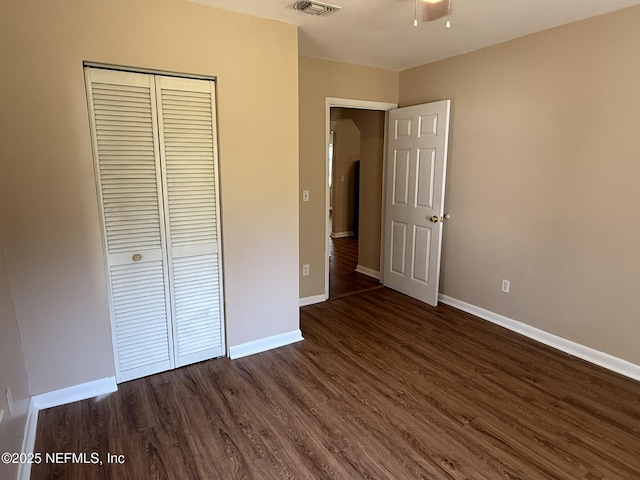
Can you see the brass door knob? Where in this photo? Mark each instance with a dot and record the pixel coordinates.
(136, 257)
(434, 219)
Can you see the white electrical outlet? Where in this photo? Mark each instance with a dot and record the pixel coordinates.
(7, 394)
(305, 195)
(305, 270)
(506, 285)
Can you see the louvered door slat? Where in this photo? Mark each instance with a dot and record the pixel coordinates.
(188, 148)
(197, 310)
(124, 127)
(134, 109)
(149, 302)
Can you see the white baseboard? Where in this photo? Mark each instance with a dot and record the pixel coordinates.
(341, 234)
(29, 440)
(264, 344)
(368, 271)
(304, 301)
(605, 360)
(55, 399)
(75, 393)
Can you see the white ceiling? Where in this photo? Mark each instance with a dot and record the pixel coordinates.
(380, 33)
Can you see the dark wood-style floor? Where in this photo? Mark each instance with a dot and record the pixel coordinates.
(343, 278)
(383, 387)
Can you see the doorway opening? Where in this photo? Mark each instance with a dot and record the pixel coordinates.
(356, 132)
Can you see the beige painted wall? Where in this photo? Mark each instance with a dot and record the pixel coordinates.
(543, 178)
(346, 148)
(371, 124)
(13, 374)
(47, 190)
(319, 79)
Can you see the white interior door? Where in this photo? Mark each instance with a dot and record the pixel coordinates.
(186, 116)
(414, 204)
(125, 135)
(155, 150)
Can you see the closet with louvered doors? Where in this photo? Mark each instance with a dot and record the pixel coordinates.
(155, 151)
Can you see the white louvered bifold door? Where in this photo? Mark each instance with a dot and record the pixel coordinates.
(188, 146)
(124, 131)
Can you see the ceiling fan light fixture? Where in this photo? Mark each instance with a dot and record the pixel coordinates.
(435, 10)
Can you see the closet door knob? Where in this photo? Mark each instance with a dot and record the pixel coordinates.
(136, 257)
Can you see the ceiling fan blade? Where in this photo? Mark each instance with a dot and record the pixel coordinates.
(432, 11)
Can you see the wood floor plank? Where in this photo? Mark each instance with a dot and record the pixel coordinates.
(343, 260)
(383, 387)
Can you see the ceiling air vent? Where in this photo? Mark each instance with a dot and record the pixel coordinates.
(315, 8)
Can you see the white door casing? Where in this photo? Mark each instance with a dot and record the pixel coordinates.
(155, 147)
(333, 102)
(414, 203)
